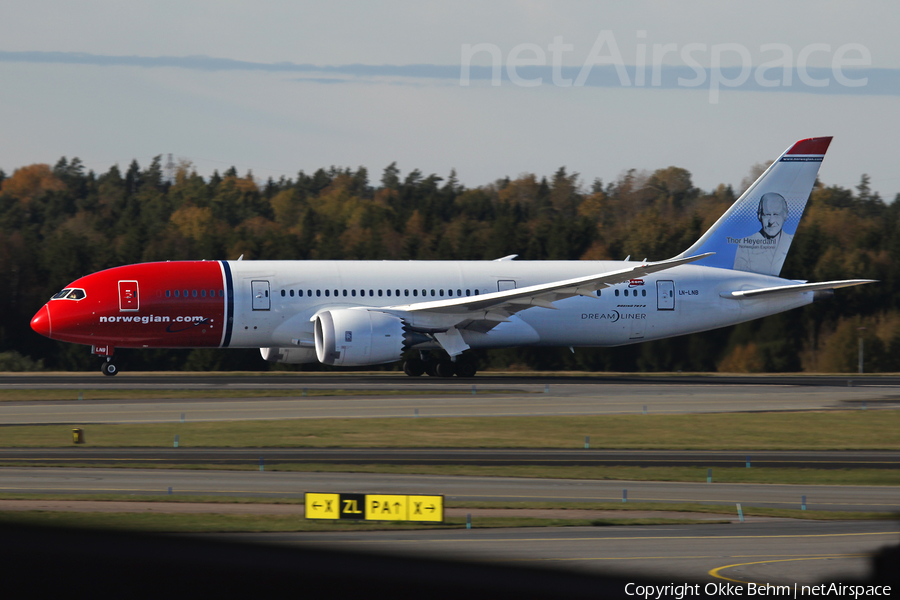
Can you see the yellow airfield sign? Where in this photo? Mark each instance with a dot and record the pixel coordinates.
(323, 506)
(375, 507)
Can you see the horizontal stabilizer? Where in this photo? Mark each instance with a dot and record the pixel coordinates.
(800, 287)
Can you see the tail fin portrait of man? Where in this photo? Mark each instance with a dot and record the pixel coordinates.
(755, 234)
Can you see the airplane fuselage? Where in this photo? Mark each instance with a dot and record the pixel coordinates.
(270, 304)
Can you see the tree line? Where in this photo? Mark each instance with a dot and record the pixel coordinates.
(62, 222)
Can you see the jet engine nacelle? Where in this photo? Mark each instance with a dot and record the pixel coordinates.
(290, 356)
(358, 337)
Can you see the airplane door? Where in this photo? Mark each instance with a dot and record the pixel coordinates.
(128, 296)
(665, 294)
(506, 284)
(260, 290)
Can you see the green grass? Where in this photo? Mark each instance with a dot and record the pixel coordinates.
(689, 507)
(789, 476)
(833, 430)
(28, 395)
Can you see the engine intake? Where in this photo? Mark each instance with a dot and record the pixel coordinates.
(352, 337)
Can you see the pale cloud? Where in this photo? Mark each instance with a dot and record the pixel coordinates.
(280, 86)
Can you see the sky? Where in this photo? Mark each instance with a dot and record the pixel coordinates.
(281, 86)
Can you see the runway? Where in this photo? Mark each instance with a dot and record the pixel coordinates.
(789, 551)
(280, 484)
(780, 553)
(437, 400)
(341, 378)
(427, 456)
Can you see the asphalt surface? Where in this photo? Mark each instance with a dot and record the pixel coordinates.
(781, 553)
(278, 484)
(299, 379)
(429, 456)
(785, 551)
(352, 399)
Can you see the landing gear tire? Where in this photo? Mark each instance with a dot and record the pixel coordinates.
(431, 368)
(445, 368)
(414, 367)
(465, 369)
(109, 369)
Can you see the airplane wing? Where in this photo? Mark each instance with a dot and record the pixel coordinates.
(800, 287)
(444, 318)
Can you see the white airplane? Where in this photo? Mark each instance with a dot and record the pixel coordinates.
(356, 313)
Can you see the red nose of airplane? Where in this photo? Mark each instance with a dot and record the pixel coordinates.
(41, 321)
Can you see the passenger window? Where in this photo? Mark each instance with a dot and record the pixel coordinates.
(379, 293)
(406, 292)
(389, 292)
(335, 293)
(617, 292)
(221, 293)
(283, 293)
(318, 293)
(168, 294)
(397, 293)
(415, 292)
(476, 292)
(424, 292)
(467, 293)
(176, 293)
(643, 292)
(309, 293)
(299, 293)
(371, 293)
(432, 292)
(598, 293)
(459, 292)
(327, 293)
(292, 293)
(353, 293)
(441, 293)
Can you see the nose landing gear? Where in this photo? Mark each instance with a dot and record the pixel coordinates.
(109, 368)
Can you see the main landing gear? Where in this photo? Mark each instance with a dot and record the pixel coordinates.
(414, 367)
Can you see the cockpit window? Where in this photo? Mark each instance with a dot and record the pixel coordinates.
(69, 294)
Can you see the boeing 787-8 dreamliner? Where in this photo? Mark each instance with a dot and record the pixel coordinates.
(356, 313)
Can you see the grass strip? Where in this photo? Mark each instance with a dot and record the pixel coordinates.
(789, 476)
(216, 523)
(745, 432)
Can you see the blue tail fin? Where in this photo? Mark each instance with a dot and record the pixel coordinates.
(756, 232)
